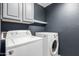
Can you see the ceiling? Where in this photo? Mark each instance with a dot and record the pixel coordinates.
(44, 4)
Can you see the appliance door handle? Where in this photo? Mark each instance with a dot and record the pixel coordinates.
(11, 52)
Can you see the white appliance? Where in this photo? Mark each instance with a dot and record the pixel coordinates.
(50, 43)
(23, 43)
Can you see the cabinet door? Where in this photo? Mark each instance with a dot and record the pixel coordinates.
(28, 12)
(12, 11)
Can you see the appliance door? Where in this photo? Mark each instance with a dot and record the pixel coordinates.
(54, 44)
(31, 49)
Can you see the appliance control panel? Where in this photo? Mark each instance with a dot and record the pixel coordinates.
(18, 33)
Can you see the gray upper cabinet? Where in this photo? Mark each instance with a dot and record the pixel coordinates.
(28, 12)
(39, 12)
(12, 11)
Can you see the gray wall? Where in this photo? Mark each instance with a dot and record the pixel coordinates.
(39, 12)
(64, 18)
(6, 26)
(35, 28)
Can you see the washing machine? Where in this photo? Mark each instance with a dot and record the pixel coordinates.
(23, 43)
(50, 43)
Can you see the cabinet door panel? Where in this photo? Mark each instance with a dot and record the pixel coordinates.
(12, 11)
(28, 12)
